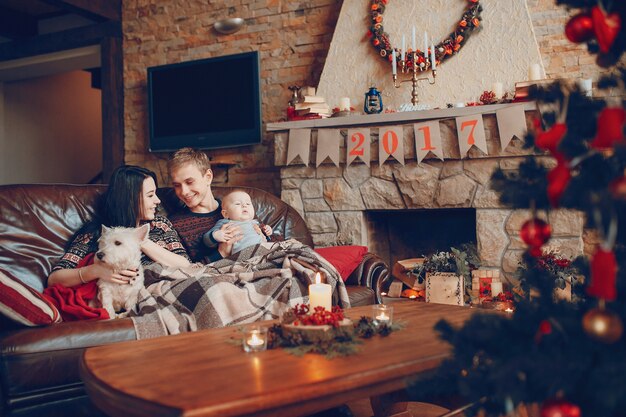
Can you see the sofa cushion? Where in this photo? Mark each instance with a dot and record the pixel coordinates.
(23, 304)
(344, 258)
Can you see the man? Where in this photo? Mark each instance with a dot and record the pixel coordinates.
(190, 171)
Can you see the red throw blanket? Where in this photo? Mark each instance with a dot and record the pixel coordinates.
(73, 302)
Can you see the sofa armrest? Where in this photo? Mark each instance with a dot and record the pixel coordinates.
(372, 272)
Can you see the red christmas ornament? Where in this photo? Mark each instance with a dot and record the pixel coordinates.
(603, 272)
(606, 28)
(549, 140)
(558, 178)
(610, 128)
(535, 233)
(579, 28)
(559, 408)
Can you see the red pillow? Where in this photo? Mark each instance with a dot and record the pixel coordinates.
(25, 305)
(344, 258)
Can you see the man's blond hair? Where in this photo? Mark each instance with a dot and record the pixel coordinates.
(186, 156)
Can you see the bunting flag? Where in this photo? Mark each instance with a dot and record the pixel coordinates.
(427, 139)
(391, 143)
(471, 132)
(299, 145)
(358, 145)
(328, 141)
(511, 123)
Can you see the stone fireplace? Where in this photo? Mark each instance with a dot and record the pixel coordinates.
(338, 202)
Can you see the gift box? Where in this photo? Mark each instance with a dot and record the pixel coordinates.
(401, 270)
(444, 288)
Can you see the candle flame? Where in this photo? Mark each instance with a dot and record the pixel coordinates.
(318, 278)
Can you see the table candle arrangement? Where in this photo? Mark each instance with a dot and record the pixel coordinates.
(255, 339)
(382, 314)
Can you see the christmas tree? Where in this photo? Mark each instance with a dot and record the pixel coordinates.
(559, 358)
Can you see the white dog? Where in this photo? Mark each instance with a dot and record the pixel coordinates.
(120, 248)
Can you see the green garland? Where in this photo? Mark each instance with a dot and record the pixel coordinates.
(343, 343)
(470, 21)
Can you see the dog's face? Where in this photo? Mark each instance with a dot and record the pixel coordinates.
(120, 247)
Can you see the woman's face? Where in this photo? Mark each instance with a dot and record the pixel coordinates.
(148, 200)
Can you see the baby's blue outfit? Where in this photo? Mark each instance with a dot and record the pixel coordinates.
(250, 235)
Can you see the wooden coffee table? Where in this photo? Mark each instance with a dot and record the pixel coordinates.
(200, 374)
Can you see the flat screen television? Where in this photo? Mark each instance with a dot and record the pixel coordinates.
(205, 104)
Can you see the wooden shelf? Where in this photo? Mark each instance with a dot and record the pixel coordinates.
(385, 118)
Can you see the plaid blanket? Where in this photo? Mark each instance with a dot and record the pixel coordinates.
(257, 283)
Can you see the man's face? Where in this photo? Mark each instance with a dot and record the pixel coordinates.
(191, 185)
(238, 206)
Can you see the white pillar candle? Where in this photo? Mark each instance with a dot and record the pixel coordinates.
(413, 42)
(534, 72)
(586, 86)
(433, 59)
(344, 104)
(394, 65)
(498, 90)
(496, 288)
(320, 294)
(425, 45)
(403, 50)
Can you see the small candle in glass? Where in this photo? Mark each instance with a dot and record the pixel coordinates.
(382, 314)
(255, 339)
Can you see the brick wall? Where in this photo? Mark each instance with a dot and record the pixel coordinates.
(293, 38)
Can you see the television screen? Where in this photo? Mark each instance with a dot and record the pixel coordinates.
(206, 104)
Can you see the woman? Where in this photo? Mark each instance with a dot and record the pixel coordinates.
(130, 201)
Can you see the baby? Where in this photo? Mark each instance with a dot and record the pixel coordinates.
(237, 208)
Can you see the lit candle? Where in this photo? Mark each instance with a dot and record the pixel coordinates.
(413, 43)
(320, 294)
(496, 288)
(425, 45)
(403, 50)
(254, 339)
(382, 317)
(498, 90)
(509, 310)
(433, 59)
(394, 65)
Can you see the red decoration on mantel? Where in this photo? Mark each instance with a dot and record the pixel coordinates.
(603, 273)
(606, 27)
(559, 408)
(579, 28)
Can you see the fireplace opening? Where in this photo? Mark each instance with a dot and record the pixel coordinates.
(401, 234)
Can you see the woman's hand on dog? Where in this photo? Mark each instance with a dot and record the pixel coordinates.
(123, 276)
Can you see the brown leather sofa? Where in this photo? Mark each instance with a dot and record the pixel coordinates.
(39, 366)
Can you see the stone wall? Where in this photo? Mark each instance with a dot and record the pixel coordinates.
(293, 38)
(334, 200)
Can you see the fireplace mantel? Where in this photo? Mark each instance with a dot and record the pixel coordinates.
(398, 117)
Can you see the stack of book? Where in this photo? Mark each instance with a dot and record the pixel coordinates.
(522, 88)
(313, 105)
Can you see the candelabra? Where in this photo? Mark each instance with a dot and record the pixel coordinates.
(414, 63)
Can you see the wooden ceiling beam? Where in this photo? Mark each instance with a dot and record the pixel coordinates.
(99, 10)
(15, 25)
(60, 41)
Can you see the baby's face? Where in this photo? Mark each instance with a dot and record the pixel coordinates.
(238, 206)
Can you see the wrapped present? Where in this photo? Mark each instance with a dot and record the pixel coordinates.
(445, 288)
(402, 270)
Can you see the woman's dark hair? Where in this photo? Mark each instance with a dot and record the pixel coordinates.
(120, 205)
(122, 201)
